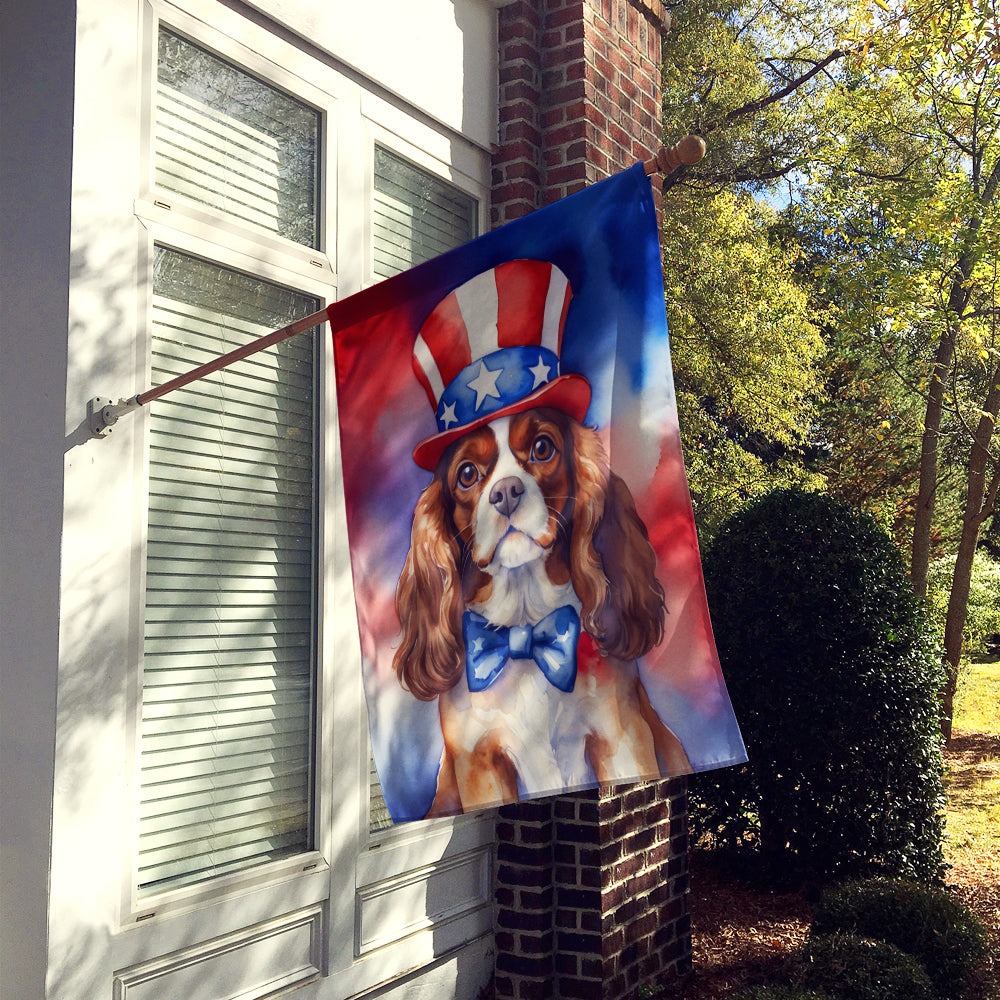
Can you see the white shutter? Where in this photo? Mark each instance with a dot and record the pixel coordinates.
(228, 660)
(415, 216)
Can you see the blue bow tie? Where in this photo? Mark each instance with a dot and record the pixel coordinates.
(551, 644)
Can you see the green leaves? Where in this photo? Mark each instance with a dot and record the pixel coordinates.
(833, 674)
(746, 352)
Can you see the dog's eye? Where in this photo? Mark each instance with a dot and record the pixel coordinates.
(543, 448)
(468, 475)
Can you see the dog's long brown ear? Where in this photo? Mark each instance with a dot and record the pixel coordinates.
(612, 562)
(429, 602)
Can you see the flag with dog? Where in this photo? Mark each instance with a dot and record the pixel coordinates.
(526, 571)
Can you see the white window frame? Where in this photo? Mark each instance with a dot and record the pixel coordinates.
(352, 875)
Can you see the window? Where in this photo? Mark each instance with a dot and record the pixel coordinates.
(229, 647)
(227, 140)
(228, 678)
(416, 215)
(252, 808)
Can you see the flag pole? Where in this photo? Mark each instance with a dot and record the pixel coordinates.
(103, 414)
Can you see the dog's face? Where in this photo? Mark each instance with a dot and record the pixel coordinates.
(517, 512)
(510, 484)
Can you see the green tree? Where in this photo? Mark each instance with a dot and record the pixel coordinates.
(747, 77)
(747, 357)
(912, 193)
(747, 353)
(878, 121)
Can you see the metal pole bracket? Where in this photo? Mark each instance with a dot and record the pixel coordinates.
(103, 413)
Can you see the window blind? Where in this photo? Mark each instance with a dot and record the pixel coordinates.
(225, 139)
(415, 216)
(228, 652)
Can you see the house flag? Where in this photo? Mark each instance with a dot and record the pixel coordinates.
(526, 572)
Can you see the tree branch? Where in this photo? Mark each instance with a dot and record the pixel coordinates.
(754, 106)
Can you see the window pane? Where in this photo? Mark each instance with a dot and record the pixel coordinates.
(416, 217)
(228, 140)
(228, 658)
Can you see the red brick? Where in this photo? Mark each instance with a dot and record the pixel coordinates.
(567, 964)
(536, 944)
(643, 926)
(570, 15)
(540, 989)
(518, 876)
(535, 899)
(515, 130)
(567, 133)
(517, 920)
(521, 93)
(552, 78)
(642, 882)
(638, 840)
(518, 49)
(581, 989)
(538, 966)
(528, 856)
(552, 117)
(564, 54)
(567, 174)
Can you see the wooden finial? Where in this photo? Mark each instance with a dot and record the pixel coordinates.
(688, 151)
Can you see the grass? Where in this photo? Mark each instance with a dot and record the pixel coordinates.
(978, 698)
(972, 848)
(973, 784)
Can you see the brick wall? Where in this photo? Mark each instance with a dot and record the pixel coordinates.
(591, 893)
(591, 889)
(579, 96)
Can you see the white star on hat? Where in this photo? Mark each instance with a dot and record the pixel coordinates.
(448, 416)
(485, 384)
(541, 372)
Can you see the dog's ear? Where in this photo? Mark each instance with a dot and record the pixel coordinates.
(429, 601)
(612, 563)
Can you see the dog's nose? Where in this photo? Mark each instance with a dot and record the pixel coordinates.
(506, 495)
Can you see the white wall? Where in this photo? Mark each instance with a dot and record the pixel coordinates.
(416, 49)
(36, 108)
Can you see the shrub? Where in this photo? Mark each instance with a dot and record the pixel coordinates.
(982, 619)
(856, 968)
(925, 922)
(833, 673)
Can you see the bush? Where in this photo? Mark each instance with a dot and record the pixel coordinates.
(833, 673)
(856, 968)
(982, 619)
(925, 922)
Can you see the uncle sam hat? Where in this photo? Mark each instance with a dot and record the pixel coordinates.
(491, 348)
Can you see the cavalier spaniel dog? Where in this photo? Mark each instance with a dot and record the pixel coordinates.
(524, 530)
